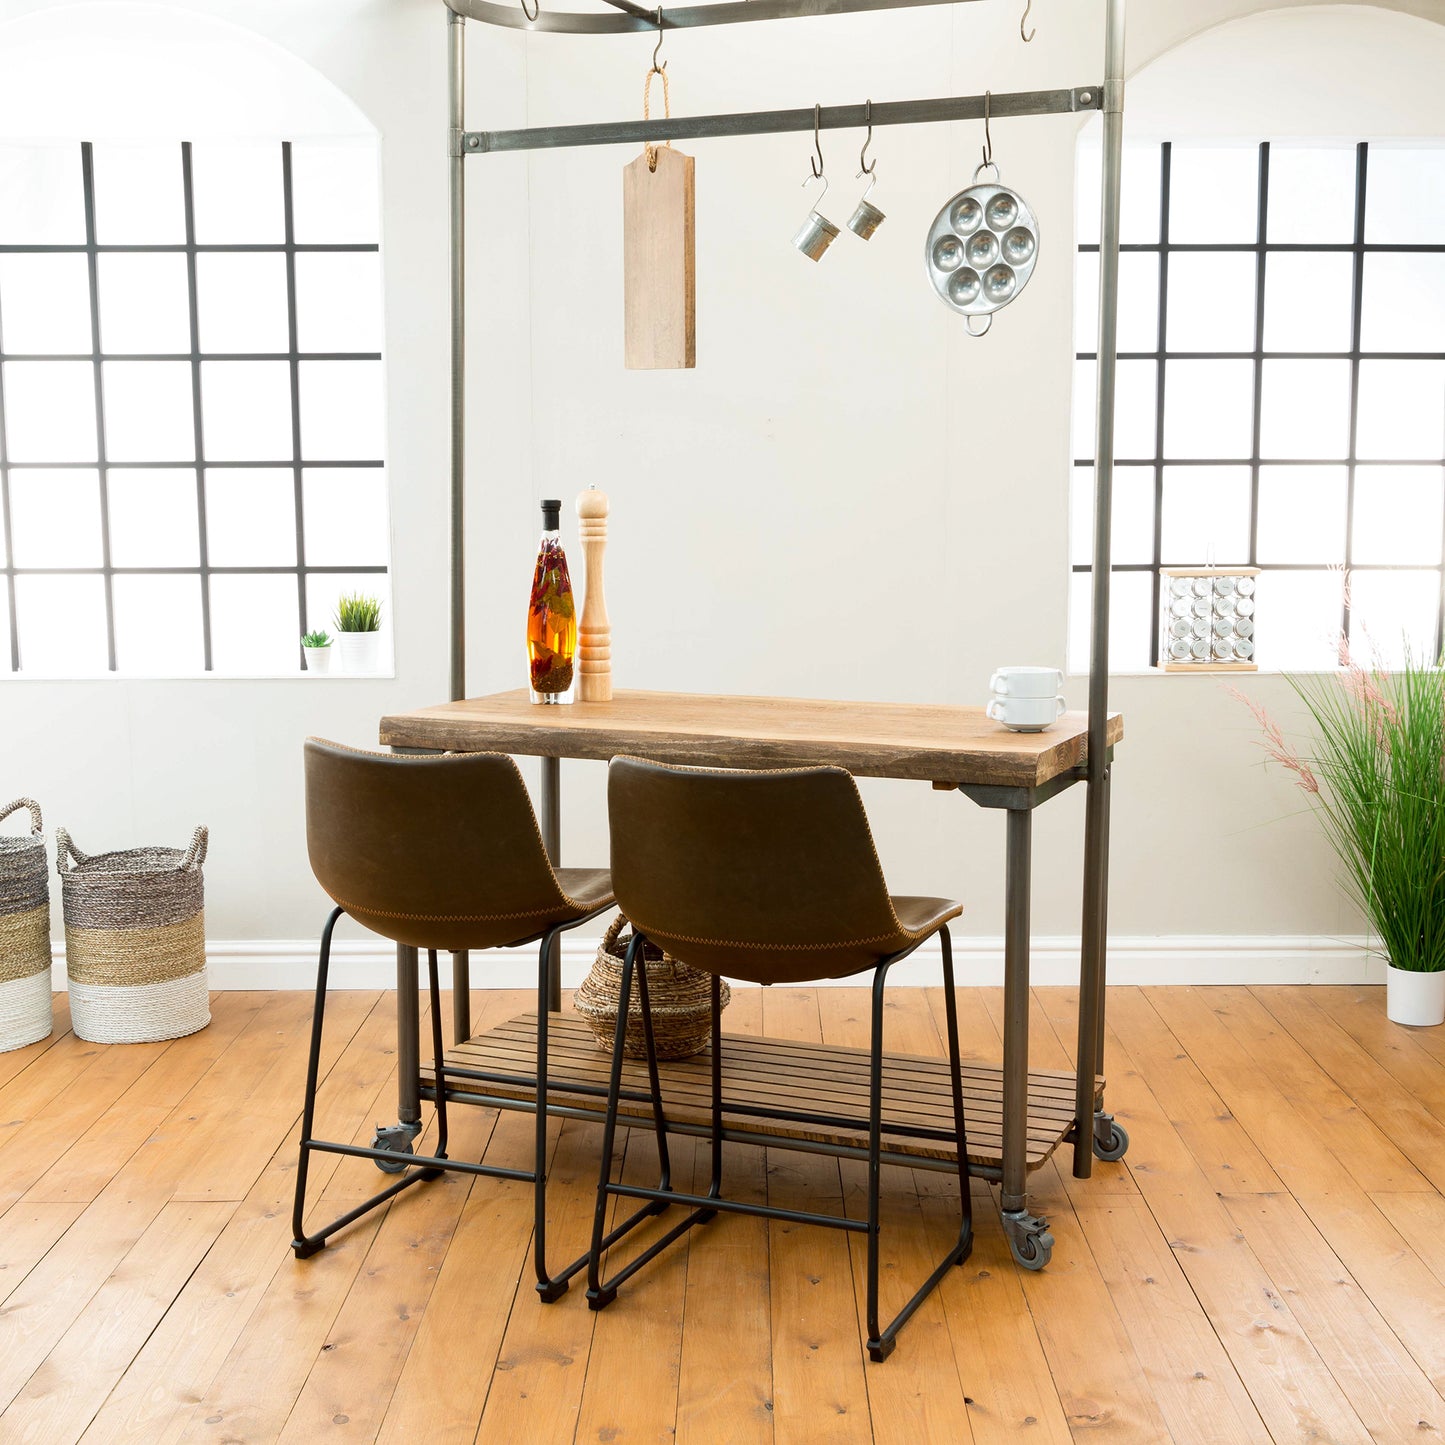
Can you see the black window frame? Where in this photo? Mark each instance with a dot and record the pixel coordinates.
(199, 464)
(1262, 248)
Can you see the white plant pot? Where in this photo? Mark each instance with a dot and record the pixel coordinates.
(360, 651)
(318, 659)
(1416, 999)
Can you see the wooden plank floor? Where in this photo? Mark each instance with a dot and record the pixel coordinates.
(1268, 1263)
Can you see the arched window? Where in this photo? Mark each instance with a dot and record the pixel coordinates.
(1282, 334)
(191, 395)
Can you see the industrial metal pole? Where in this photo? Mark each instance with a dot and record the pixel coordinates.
(1096, 816)
(456, 196)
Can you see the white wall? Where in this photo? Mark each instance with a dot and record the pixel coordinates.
(847, 498)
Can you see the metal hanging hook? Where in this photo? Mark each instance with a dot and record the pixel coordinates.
(864, 169)
(1028, 35)
(817, 165)
(534, 12)
(656, 48)
(987, 134)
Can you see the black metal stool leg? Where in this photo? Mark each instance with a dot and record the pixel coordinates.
(955, 1068)
(305, 1247)
(437, 1052)
(879, 1346)
(548, 1288)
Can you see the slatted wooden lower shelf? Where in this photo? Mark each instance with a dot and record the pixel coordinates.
(816, 1079)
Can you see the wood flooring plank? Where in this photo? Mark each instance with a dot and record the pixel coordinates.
(819, 1391)
(154, 1403)
(62, 1396)
(1420, 1219)
(1401, 1050)
(26, 1236)
(1384, 1385)
(16, 1061)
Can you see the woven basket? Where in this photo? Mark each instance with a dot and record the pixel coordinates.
(135, 941)
(25, 997)
(681, 999)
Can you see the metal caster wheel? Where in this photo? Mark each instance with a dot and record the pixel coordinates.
(396, 1137)
(1111, 1139)
(1029, 1240)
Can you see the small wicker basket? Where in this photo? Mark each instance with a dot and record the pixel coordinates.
(681, 999)
(135, 941)
(25, 998)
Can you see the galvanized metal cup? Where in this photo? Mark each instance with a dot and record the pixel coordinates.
(866, 219)
(815, 235)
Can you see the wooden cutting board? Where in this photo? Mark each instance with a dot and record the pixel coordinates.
(658, 279)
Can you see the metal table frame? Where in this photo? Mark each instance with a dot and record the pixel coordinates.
(1093, 1128)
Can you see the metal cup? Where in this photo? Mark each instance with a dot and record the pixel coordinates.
(815, 235)
(866, 219)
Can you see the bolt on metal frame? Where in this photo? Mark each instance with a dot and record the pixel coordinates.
(1093, 1130)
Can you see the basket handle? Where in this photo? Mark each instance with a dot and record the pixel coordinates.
(196, 853)
(614, 931)
(64, 849)
(37, 823)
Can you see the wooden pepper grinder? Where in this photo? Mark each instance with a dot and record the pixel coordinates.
(594, 633)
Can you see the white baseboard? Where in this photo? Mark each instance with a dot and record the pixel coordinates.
(1172, 958)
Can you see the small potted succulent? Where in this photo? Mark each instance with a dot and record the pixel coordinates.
(316, 646)
(358, 629)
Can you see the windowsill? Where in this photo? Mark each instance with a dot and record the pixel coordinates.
(306, 677)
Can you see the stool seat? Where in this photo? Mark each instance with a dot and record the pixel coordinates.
(586, 889)
(922, 916)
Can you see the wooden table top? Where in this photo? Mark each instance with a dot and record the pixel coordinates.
(925, 742)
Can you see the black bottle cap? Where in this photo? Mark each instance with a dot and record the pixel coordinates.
(551, 515)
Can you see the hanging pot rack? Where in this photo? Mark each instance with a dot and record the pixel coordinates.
(626, 17)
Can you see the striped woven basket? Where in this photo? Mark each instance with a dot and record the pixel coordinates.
(25, 996)
(135, 941)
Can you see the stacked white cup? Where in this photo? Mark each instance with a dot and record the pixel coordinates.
(1026, 699)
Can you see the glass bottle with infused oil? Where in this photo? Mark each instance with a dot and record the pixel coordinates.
(551, 616)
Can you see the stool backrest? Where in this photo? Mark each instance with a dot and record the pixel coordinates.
(436, 852)
(768, 876)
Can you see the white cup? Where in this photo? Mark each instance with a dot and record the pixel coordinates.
(1026, 681)
(1026, 714)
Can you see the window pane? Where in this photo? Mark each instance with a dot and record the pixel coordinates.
(61, 621)
(44, 195)
(1132, 536)
(1211, 301)
(158, 626)
(336, 195)
(1134, 403)
(1208, 408)
(255, 625)
(149, 411)
(246, 410)
(1308, 298)
(1405, 195)
(1131, 605)
(1311, 195)
(1305, 409)
(338, 300)
(1402, 410)
(139, 196)
(1404, 302)
(1397, 514)
(1138, 199)
(153, 518)
(241, 302)
(251, 516)
(1302, 514)
(144, 303)
(343, 410)
(346, 516)
(1213, 193)
(323, 589)
(1393, 615)
(1206, 516)
(50, 411)
(238, 196)
(1138, 301)
(55, 517)
(45, 304)
(1297, 620)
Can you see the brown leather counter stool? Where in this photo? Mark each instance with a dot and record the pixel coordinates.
(770, 877)
(436, 852)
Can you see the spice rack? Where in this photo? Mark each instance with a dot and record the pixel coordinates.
(1207, 619)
